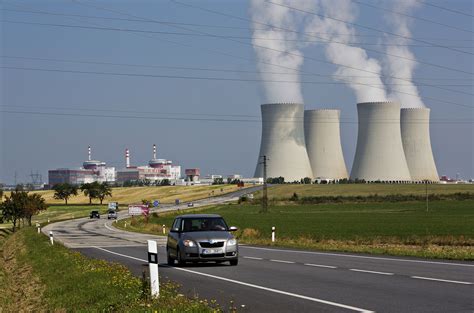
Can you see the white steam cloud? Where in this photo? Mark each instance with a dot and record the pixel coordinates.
(404, 90)
(283, 49)
(367, 84)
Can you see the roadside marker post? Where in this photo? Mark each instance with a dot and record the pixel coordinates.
(164, 229)
(153, 263)
(39, 227)
(273, 233)
(51, 237)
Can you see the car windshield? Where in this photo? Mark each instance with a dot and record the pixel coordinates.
(204, 224)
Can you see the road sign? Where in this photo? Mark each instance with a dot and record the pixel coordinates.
(156, 203)
(138, 209)
(113, 206)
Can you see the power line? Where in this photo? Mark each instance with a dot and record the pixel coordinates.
(411, 16)
(255, 117)
(273, 64)
(366, 27)
(202, 78)
(280, 51)
(208, 25)
(289, 120)
(234, 37)
(445, 9)
(222, 70)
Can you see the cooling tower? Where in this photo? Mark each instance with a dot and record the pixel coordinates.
(379, 153)
(283, 142)
(323, 143)
(415, 126)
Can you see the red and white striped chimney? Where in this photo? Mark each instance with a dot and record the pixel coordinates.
(154, 151)
(127, 158)
(89, 152)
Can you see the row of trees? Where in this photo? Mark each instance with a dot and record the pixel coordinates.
(93, 190)
(21, 205)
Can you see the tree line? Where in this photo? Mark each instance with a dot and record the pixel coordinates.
(20, 206)
(93, 190)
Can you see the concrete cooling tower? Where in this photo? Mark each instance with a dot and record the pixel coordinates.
(415, 127)
(323, 143)
(283, 142)
(379, 153)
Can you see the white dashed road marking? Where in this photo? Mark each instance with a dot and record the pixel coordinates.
(320, 265)
(371, 272)
(443, 280)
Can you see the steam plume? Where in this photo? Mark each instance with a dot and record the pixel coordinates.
(282, 18)
(397, 67)
(367, 84)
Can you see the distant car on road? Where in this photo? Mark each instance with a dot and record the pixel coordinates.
(190, 205)
(201, 238)
(94, 214)
(112, 214)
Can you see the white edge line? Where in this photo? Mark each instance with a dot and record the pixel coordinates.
(371, 272)
(320, 265)
(108, 227)
(254, 286)
(443, 280)
(282, 261)
(252, 258)
(360, 256)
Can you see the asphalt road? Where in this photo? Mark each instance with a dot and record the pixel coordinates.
(283, 280)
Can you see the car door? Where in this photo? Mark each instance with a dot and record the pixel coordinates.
(173, 237)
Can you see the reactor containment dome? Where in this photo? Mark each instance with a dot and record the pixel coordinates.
(415, 128)
(283, 142)
(323, 143)
(379, 154)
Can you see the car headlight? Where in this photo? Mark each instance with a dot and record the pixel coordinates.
(189, 243)
(231, 242)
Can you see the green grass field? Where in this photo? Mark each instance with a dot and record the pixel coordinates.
(287, 190)
(447, 230)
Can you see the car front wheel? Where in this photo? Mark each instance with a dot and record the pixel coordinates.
(180, 260)
(234, 262)
(169, 259)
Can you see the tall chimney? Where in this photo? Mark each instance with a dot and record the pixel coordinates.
(154, 151)
(127, 158)
(89, 152)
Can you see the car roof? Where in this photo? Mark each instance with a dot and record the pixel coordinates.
(198, 215)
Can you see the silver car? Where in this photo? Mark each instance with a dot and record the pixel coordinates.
(201, 238)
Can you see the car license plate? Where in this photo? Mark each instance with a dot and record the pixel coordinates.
(212, 251)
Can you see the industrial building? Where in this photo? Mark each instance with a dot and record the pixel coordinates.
(283, 142)
(323, 143)
(156, 170)
(379, 153)
(91, 171)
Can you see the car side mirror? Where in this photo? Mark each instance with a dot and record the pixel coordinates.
(233, 228)
(174, 230)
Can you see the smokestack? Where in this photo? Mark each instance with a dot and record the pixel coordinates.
(283, 142)
(323, 143)
(415, 127)
(379, 153)
(89, 152)
(154, 151)
(127, 158)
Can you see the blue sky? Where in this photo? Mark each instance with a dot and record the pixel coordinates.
(38, 142)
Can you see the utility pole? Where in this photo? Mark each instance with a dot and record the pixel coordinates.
(265, 187)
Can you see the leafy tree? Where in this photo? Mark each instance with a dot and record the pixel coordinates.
(13, 206)
(306, 180)
(90, 190)
(64, 191)
(165, 182)
(103, 191)
(218, 181)
(35, 203)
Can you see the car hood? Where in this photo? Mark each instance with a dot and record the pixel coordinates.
(207, 235)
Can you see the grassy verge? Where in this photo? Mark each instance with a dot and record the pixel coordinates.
(38, 277)
(402, 228)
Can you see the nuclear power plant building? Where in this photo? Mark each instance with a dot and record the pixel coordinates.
(323, 144)
(379, 154)
(283, 142)
(415, 129)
